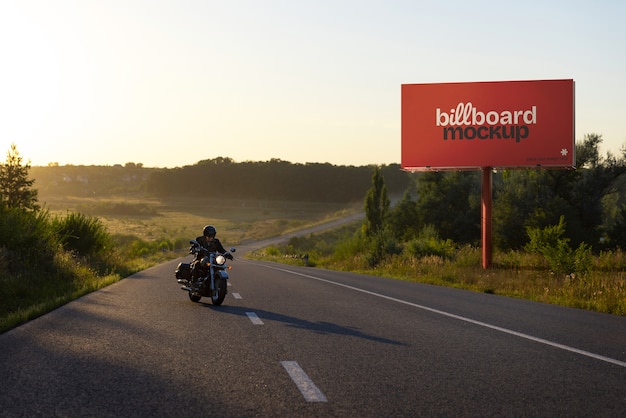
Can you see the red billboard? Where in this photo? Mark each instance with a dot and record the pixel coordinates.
(506, 124)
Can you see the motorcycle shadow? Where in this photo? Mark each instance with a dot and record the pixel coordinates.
(319, 327)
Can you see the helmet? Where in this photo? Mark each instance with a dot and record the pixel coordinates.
(209, 231)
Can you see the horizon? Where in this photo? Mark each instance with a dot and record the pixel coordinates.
(170, 84)
(136, 163)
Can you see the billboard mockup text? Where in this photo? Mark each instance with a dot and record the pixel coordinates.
(488, 124)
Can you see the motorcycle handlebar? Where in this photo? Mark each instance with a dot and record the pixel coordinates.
(196, 247)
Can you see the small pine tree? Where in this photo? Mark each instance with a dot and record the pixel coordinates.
(376, 204)
(15, 188)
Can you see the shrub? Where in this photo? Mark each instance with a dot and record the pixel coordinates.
(348, 251)
(272, 251)
(26, 237)
(133, 247)
(556, 250)
(611, 260)
(381, 244)
(468, 256)
(428, 243)
(85, 235)
(181, 244)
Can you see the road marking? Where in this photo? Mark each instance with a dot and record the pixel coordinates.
(462, 318)
(306, 386)
(236, 295)
(254, 318)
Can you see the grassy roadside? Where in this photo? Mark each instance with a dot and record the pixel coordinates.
(151, 232)
(146, 232)
(514, 274)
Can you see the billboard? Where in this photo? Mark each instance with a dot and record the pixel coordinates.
(506, 124)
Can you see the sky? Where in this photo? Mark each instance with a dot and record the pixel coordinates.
(167, 83)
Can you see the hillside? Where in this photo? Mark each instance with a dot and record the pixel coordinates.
(271, 180)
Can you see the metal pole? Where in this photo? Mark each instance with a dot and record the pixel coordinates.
(486, 216)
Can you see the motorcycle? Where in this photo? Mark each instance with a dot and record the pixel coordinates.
(212, 274)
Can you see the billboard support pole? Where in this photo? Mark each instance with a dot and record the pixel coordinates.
(486, 216)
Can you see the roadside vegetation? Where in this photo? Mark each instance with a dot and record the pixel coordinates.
(78, 241)
(559, 235)
(599, 285)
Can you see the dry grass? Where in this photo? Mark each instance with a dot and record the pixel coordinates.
(237, 220)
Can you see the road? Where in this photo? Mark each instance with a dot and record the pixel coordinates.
(304, 342)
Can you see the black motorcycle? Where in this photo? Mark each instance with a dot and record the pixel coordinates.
(212, 274)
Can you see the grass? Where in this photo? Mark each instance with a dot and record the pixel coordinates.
(513, 274)
(236, 220)
(136, 224)
(53, 301)
(147, 220)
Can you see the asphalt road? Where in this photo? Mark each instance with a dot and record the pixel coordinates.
(304, 342)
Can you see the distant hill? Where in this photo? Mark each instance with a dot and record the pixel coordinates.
(93, 181)
(273, 180)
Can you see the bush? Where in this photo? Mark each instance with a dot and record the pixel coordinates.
(133, 247)
(556, 250)
(85, 235)
(181, 244)
(272, 251)
(25, 237)
(468, 256)
(428, 243)
(348, 251)
(381, 244)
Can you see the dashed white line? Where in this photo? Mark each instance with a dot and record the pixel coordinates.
(236, 295)
(254, 318)
(306, 386)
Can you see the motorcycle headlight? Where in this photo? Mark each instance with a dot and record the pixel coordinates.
(220, 259)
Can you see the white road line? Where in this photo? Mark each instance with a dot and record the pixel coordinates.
(462, 318)
(236, 295)
(306, 386)
(254, 318)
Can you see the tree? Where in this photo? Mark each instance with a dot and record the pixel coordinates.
(591, 198)
(450, 201)
(15, 188)
(376, 204)
(403, 220)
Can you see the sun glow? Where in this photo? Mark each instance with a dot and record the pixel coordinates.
(43, 86)
(117, 81)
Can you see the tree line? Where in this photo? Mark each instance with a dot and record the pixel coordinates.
(589, 202)
(591, 199)
(274, 180)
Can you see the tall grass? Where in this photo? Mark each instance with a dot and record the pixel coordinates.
(45, 262)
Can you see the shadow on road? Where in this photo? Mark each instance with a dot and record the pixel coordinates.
(317, 327)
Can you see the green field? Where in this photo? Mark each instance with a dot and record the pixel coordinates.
(236, 220)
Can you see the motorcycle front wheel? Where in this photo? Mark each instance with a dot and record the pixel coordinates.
(218, 296)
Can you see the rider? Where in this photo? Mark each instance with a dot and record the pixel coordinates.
(211, 244)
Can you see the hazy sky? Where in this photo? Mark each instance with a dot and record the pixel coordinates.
(167, 83)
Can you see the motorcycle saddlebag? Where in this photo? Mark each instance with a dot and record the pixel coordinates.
(183, 271)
